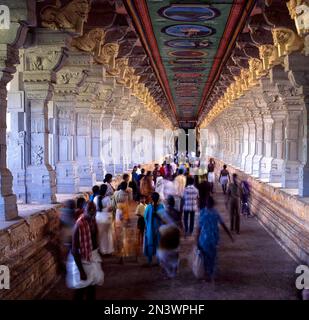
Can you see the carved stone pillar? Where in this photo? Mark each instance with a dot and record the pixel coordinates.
(16, 137)
(107, 143)
(298, 72)
(66, 165)
(83, 145)
(41, 178)
(251, 146)
(256, 162)
(292, 164)
(8, 207)
(240, 143)
(96, 127)
(69, 80)
(266, 161)
(277, 146)
(11, 40)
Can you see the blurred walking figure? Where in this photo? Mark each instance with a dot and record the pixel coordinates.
(180, 184)
(160, 187)
(233, 201)
(147, 186)
(245, 195)
(204, 191)
(173, 215)
(162, 170)
(190, 197)
(80, 207)
(67, 223)
(135, 174)
(208, 236)
(168, 251)
(211, 174)
(156, 173)
(153, 220)
(108, 181)
(84, 270)
(139, 212)
(95, 192)
(224, 178)
(104, 219)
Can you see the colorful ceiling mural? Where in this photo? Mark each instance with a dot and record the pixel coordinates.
(198, 27)
(188, 41)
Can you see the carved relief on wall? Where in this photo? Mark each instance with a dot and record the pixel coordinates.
(70, 17)
(299, 11)
(90, 42)
(37, 125)
(287, 41)
(42, 61)
(37, 155)
(105, 95)
(82, 124)
(122, 65)
(66, 122)
(107, 57)
(255, 70)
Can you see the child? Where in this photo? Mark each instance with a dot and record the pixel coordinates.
(140, 209)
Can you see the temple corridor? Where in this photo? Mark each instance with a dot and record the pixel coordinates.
(253, 267)
(97, 88)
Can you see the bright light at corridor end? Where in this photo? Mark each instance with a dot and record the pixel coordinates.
(143, 145)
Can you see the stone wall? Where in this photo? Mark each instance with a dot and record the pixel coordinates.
(30, 248)
(285, 216)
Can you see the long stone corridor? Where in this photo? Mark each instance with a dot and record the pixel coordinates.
(253, 267)
(96, 87)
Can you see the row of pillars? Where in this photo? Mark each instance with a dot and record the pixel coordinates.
(265, 132)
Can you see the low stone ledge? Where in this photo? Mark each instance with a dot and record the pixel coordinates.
(285, 216)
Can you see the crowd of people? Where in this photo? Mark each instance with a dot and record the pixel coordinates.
(167, 202)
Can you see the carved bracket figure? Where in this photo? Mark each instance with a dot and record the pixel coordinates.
(70, 17)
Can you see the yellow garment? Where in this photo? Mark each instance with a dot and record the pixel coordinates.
(140, 209)
(124, 207)
(180, 184)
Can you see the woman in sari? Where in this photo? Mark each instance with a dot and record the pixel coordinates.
(208, 236)
(147, 187)
(121, 200)
(153, 220)
(104, 218)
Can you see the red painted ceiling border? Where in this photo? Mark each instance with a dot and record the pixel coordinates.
(239, 12)
(144, 21)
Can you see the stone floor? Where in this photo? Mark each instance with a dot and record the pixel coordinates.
(253, 267)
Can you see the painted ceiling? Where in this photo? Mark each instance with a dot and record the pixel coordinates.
(188, 37)
(188, 41)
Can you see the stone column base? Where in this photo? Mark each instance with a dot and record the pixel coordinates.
(86, 175)
(276, 171)
(266, 164)
(19, 186)
(67, 177)
(256, 166)
(243, 162)
(41, 184)
(8, 206)
(249, 164)
(304, 181)
(290, 175)
(98, 169)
